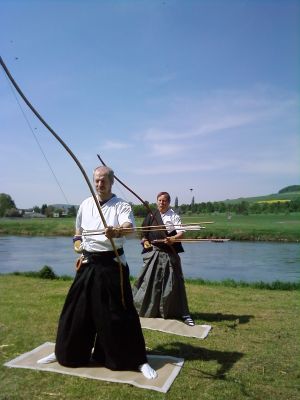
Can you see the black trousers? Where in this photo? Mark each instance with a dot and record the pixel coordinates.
(93, 316)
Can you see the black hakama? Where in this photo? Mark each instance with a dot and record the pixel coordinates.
(94, 322)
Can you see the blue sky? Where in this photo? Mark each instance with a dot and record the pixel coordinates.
(174, 95)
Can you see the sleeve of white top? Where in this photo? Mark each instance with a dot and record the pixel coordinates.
(125, 214)
(177, 222)
(78, 219)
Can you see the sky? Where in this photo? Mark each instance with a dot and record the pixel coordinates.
(196, 98)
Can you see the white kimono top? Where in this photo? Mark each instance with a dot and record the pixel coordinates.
(115, 211)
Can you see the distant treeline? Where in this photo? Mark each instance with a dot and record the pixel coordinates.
(265, 205)
(243, 207)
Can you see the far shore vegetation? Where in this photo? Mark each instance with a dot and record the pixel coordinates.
(274, 217)
(278, 227)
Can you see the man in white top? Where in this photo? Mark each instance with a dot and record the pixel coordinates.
(159, 290)
(99, 322)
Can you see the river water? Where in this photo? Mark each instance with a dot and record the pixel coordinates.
(247, 261)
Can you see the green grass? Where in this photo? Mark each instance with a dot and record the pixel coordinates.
(252, 351)
(263, 227)
(37, 226)
(258, 227)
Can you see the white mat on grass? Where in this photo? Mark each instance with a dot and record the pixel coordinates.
(167, 368)
(175, 327)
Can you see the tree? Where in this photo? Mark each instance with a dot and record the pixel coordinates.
(49, 211)
(210, 207)
(140, 211)
(242, 207)
(294, 205)
(222, 207)
(176, 203)
(12, 212)
(6, 203)
(72, 211)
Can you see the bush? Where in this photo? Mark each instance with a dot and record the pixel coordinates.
(47, 273)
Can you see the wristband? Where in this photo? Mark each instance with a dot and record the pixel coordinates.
(77, 240)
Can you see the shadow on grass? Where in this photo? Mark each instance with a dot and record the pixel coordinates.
(225, 359)
(219, 317)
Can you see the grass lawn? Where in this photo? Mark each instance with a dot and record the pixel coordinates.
(260, 227)
(252, 351)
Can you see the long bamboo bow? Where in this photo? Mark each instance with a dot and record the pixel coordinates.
(130, 190)
(144, 203)
(162, 227)
(154, 227)
(147, 207)
(69, 151)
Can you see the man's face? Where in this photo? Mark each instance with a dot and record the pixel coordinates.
(162, 203)
(102, 183)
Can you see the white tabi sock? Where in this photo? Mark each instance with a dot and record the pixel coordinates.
(48, 359)
(147, 371)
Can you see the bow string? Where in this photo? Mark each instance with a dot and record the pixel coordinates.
(70, 152)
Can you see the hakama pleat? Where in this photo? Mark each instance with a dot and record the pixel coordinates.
(159, 290)
(94, 318)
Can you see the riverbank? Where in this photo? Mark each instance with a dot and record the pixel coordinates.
(251, 352)
(47, 273)
(257, 227)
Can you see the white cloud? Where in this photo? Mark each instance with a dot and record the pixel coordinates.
(218, 111)
(160, 80)
(162, 149)
(271, 167)
(207, 127)
(183, 167)
(115, 145)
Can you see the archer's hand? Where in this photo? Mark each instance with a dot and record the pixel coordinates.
(77, 243)
(111, 232)
(146, 244)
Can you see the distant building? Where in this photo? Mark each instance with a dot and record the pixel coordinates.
(33, 214)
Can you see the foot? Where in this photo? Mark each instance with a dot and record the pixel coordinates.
(47, 360)
(147, 371)
(187, 319)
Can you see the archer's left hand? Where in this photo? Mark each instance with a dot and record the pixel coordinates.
(111, 232)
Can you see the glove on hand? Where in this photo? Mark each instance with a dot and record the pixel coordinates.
(77, 243)
(146, 244)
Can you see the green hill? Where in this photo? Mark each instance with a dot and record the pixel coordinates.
(283, 194)
(293, 188)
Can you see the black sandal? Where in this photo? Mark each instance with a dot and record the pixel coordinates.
(187, 319)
